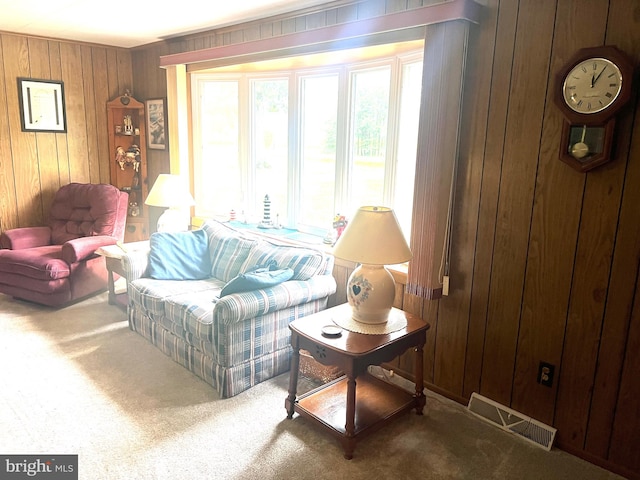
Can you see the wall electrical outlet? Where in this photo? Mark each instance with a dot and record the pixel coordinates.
(545, 374)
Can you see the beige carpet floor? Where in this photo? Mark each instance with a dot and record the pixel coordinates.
(78, 381)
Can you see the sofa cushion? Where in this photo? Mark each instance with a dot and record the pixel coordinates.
(179, 256)
(228, 250)
(304, 262)
(255, 279)
(151, 295)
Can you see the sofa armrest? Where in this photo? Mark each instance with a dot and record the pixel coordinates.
(238, 307)
(80, 249)
(25, 237)
(134, 264)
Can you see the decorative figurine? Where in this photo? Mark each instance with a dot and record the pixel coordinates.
(128, 125)
(339, 224)
(266, 216)
(120, 157)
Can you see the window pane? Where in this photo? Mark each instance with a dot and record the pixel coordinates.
(319, 105)
(370, 108)
(269, 145)
(407, 144)
(218, 186)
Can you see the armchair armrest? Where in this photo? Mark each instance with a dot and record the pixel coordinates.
(238, 307)
(82, 248)
(25, 237)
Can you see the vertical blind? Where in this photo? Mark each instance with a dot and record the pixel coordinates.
(438, 132)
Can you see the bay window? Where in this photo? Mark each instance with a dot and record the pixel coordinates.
(317, 139)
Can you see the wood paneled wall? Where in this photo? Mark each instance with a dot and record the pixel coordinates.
(545, 259)
(34, 165)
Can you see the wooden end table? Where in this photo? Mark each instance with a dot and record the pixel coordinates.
(113, 258)
(348, 409)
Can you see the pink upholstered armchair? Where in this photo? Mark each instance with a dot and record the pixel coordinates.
(56, 264)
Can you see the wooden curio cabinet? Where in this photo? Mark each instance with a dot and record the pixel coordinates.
(128, 157)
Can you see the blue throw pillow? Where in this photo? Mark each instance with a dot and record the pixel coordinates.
(255, 279)
(179, 256)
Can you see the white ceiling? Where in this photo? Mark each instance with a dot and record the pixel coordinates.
(133, 22)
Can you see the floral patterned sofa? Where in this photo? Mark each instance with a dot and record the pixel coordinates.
(194, 296)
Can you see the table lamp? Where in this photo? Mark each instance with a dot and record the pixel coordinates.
(171, 192)
(373, 239)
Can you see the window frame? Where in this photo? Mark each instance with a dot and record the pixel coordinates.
(345, 74)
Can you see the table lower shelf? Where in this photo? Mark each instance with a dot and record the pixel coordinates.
(377, 402)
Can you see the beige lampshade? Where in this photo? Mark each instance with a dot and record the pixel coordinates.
(373, 237)
(169, 191)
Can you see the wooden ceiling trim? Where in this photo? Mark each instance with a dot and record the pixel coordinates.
(467, 10)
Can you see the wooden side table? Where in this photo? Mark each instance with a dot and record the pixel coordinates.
(349, 408)
(113, 257)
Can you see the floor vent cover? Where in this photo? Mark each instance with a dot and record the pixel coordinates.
(492, 412)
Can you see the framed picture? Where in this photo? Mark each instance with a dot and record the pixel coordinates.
(42, 105)
(156, 129)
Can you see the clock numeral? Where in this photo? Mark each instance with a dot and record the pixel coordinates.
(595, 65)
(589, 106)
(608, 94)
(584, 69)
(580, 103)
(613, 85)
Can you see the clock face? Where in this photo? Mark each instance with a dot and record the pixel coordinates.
(592, 85)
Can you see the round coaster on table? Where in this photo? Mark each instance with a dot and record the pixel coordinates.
(396, 322)
(331, 331)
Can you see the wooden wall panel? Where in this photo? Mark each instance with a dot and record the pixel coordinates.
(62, 146)
(90, 124)
(626, 258)
(34, 165)
(468, 188)
(8, 204)
(490, 158)
(617, 317)
(524, 124)
(23, 144)
(626, 428)
(101, 85)
(592, 272)
(40, 56)
(71, 60)
(554, 231)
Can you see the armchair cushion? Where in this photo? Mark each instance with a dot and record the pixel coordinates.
(83, 210)
(179, 256)
(39, 263)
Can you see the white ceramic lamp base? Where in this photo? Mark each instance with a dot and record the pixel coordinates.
(173, 220)
(370, 292)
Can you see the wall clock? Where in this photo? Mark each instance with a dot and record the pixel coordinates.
(591, 89)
